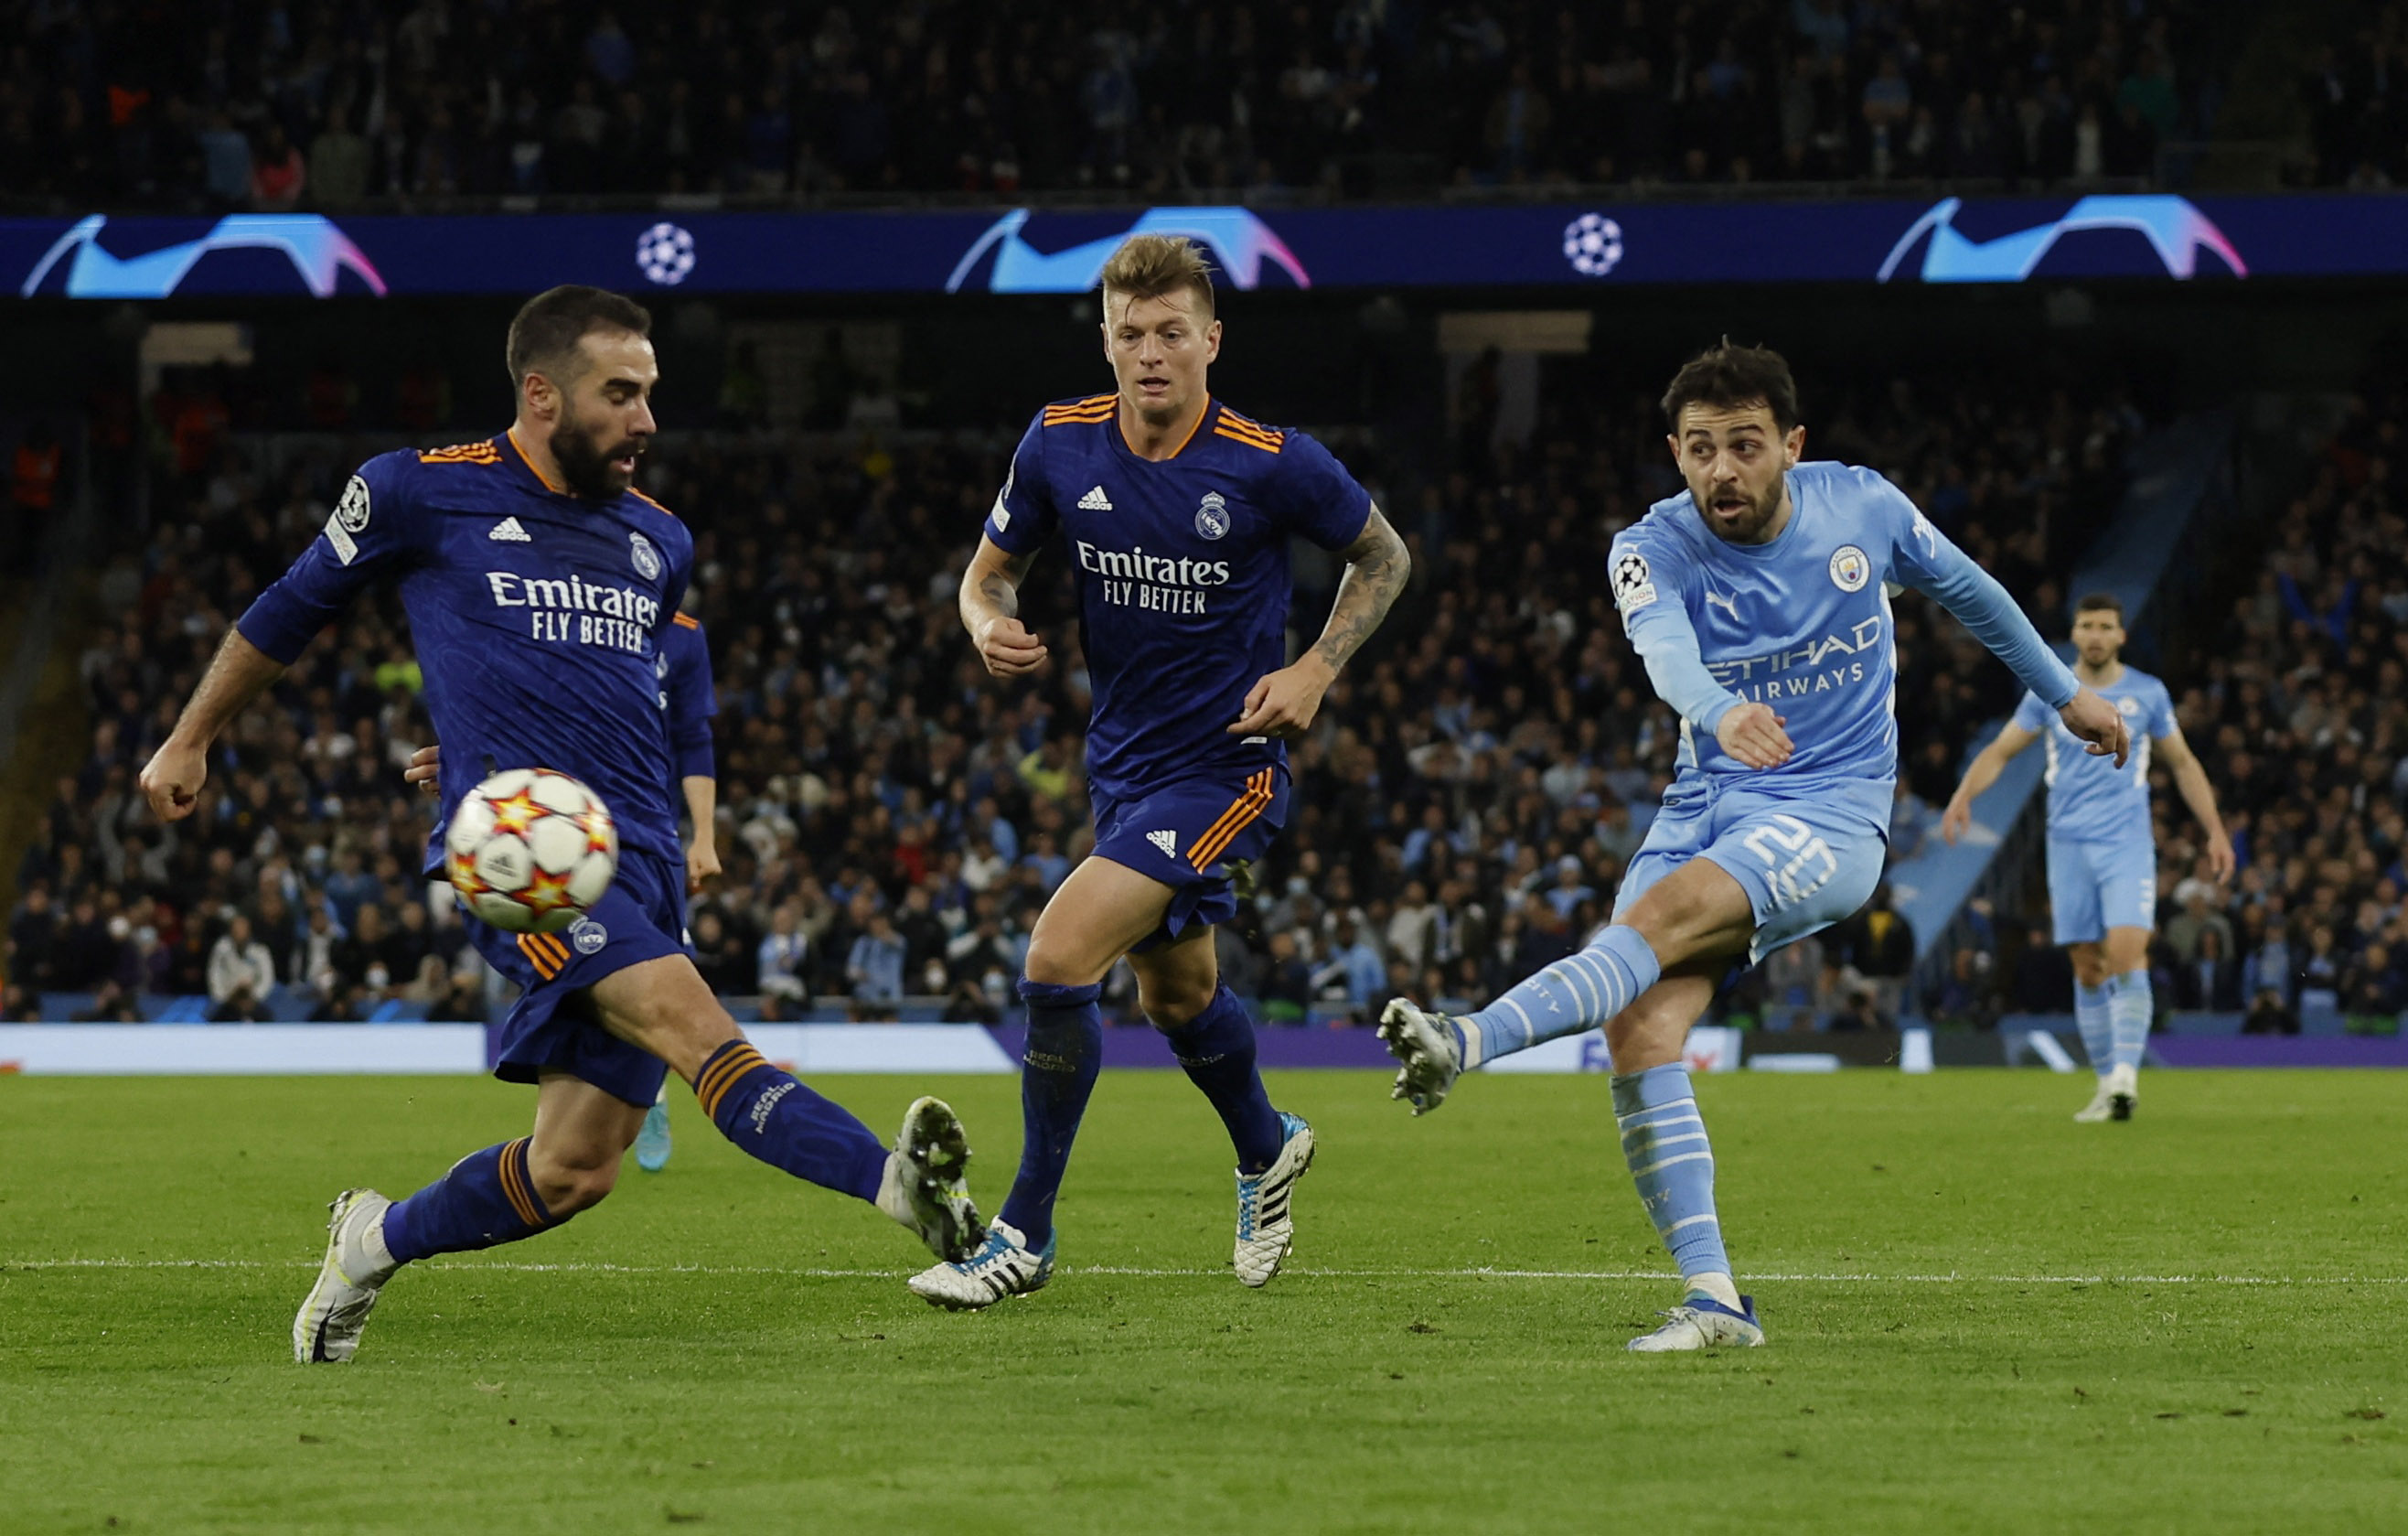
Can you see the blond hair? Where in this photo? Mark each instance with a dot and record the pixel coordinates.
(1158, 265)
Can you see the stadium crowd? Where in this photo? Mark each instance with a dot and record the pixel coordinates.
(331, 104)
(891, 819)
(2297, 710)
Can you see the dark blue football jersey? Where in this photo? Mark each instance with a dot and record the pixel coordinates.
(537, 618)
(1182, 574)
(688, 696)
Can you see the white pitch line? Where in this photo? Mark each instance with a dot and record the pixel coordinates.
(1136, 1272)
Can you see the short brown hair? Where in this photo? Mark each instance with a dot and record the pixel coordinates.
(1729, 378)
(1158, 265)
(548, 326)
(2100, 602)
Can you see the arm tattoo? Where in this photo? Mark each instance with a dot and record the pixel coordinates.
(1377, 566)
(998, 587)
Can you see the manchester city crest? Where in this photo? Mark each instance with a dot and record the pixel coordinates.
(1850, 570)
(648, 559)
(1213, 515)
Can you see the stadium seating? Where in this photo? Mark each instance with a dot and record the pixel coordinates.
(278, 108)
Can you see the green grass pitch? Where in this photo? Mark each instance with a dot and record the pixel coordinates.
(1982, 1318)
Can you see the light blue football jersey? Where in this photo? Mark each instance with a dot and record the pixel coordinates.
(1803, 624)
(2090, 798)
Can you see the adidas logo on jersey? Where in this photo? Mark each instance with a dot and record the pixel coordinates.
(1095, 502)
(508, 532)
(1167, 840)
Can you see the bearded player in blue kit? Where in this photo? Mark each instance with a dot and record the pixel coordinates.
(2102, 853)
(1177, 512)
(538, 583)
(1758, 600)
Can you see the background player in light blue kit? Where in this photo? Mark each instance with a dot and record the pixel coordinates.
(1758, 601)
(537, 581)
(1177, 512)
(2102, 861)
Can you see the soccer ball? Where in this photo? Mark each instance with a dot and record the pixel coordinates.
(1593, 244)
(531, 849)
(664, 254)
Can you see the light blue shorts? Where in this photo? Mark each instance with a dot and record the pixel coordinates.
(1805, 863)
(2094, 885)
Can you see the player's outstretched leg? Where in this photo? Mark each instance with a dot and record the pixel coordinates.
(1057, 1077)
(2090, 1012)
(653, 1141)
(920, 1182)
(1664, 1140)
(1579, 992)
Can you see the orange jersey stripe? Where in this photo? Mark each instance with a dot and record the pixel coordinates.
(649, 502)
(687, 621)
(1239, 424)
(1249, 441)
(1233, 821)
(541, 959)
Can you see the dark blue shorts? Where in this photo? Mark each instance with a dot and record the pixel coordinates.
(551, 1027)
(1189, 835)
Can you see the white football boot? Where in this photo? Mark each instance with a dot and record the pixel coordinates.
(924, 1186)
(1700, 1322)
(2122, 1092)
(327, 1328)
(2101, 1105)
(1266, 1224)
(1003, 1266)
(1429, 1050)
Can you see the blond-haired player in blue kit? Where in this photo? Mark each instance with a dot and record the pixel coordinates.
(1759, 600)
(1176, 515)
(2103, 859)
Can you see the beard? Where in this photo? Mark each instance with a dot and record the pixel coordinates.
(586, 464)
(1751, 522)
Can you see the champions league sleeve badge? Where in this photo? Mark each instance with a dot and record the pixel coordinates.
(1634, 586)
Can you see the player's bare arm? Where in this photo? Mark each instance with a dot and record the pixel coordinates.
(990, 604)
(1283, 703)
(702, 854)
(239, 672)
(2099, 725)
(1983, 771)
(2190, 778)
(1755, 736)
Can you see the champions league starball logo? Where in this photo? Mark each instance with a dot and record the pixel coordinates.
(1593, 244)
(664, 254)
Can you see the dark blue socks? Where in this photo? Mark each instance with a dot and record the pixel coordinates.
(487, 1198)
(768, 1113)
(1217, 1049)
(1066, 1049)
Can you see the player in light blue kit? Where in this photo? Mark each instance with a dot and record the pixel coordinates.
(2102, 862)
(1176, 513)
(1758, 600)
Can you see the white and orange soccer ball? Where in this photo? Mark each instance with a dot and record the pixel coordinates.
(531, 849)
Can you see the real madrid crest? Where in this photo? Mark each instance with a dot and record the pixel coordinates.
(648, 559)
(1850, 569)
(1213, 515)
